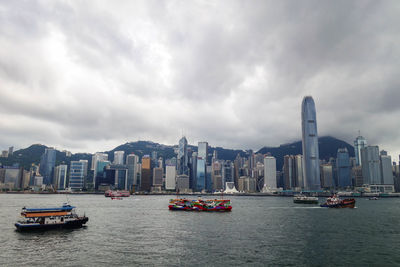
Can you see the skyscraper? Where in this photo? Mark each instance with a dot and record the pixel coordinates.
(76, 175)
(311, 167)
(203, 150)
(146, 179)
(183, 159)
(170, 177)
(47, 163)
(132, 161)
(370, 165)
(359, 143)
(343, 168)
(201, 174)
(119, 157)
(270, 172)
(60, 175)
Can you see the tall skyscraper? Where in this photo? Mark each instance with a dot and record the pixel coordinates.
(203, 150)
(146, 179)
(170, 177)
(76, 175)
(60, 175)
(327, 176)
(183, 159)
(343, 168)
(132, 161)
(201, 174)
(370, 165)
(119, 157)
(359, 143)
(270, 172)
(47, 163)
(386, 169)
(311, 168)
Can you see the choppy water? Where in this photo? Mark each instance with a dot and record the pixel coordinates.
(260, 231)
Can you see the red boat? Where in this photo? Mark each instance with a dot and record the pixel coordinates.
(117, 193)
(336, 202)
(200, 205)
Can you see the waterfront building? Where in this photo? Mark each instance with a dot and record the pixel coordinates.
(38, 180)
(357, 177)
(359, 144)
(100, 173)
(327, 176)
(201, 174)
(183, 159)
(311, 169)
(386, 169)
(98, 157)
(343, 168)
(10, 151)
(157, 176)
(370, 165)
(132, 161)
(119, 157)
(76, 175)
(193, 171)
(146, 179)
(209, 180)
(217, 183)
(247, 184)
(227, 172)
(170, 177)
(270, 172)
(298, 167)
(116, 176)
(289, 172)
(60, 177)
(182, 183)
(47, 163)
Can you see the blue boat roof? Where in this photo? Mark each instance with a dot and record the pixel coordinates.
(63, 208)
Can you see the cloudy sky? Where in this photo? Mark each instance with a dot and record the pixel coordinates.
(90, 75)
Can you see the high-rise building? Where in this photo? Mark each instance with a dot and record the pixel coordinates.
(100, 173)
(10, 151)
(203, 150)
(359, 144)
(357, 176)
(60, 177)
(132, 161)
(311, 168)
(298, 164)
(343, 168)
(270, 172)
(116, 175)
(183, 159)
(97, 157)
(386, 169)
(47, 164)
(157, 176)
(370, 165)
(76, 175)
(201, 174)
(119, 157)
(170, 177)
(146, 179)
(327, 176)
(288, 172)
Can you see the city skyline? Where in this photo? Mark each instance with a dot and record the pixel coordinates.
(87, 78)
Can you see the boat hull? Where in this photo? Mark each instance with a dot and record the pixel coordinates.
(183, 208)
(346, 203)
(26, 227)
(297, 201)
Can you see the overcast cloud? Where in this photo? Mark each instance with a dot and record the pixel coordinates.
(89, 75)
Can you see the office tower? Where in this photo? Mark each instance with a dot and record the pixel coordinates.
(209, 181)
(237, 166)
(359, 144)
(217, 183)
(270, 172)
(386, 169)
(202, 151)
(298, 166)
(146, 179)
(47, 163)
(60, 177)
(97, 157)
(154, 158)
(357, 177)
(116, 176)
(227, 173)
(132, 161)
(201, 174)
(327, 176)
(183, 159)
(160, 162)
(193, 171)
(157, 176)
(343, 168)
(10, 151)
(310, 145)
(288, 172)
(182, 182)
(119, 157)
(76, 175)
(370, 165)
(170, 177)
(100, 173)
(215, 156)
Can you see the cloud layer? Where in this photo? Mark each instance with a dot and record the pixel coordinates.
(90, 75)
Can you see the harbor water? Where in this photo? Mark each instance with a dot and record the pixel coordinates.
(260, 231)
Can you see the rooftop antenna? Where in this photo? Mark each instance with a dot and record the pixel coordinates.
(359, 133)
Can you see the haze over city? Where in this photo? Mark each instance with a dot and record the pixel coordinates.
(88, 76)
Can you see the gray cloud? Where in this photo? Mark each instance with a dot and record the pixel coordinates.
(88, 76)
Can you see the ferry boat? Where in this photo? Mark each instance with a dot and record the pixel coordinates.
(184, 204)
(335, 202)
(303, 199)
(117, 193)
(50, 218)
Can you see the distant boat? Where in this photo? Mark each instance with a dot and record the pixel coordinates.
(303, 199)
(373, 198)
(50, 218)
(184, 204)
(117, 193)
(335, 202)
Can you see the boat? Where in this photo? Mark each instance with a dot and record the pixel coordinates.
(184, 204)
(303, 199)
(117, 198)
(50, 218)
(117, 193)
(335, 202)
(373, 198)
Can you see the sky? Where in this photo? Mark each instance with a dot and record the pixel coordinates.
(87, 76)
